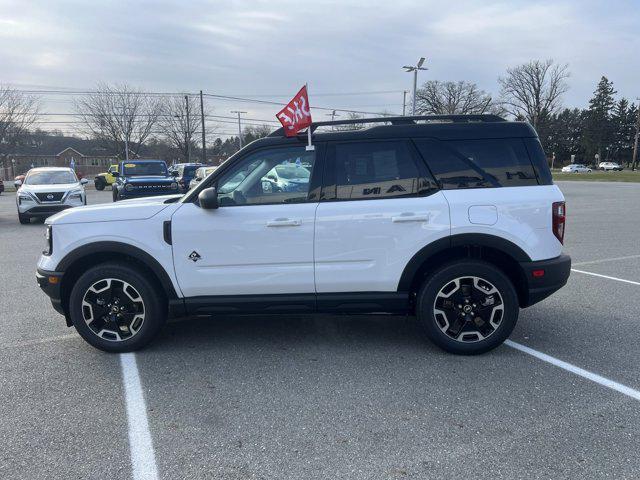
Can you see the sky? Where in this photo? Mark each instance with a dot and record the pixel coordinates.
(349, 52)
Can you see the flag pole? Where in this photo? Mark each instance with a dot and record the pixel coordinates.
(310, 146)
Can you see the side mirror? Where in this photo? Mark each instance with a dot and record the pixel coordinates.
(115, 174)
(208, 198)
(17, 183)
(84, 181)
(174, 173)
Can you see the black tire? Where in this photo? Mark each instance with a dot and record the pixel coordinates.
(460, 341)
(100, 184)
(23, 219)
(154, 307)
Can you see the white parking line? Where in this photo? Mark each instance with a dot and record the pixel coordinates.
(604, 260)
(143, 459)
(605, 382)
(606, 276)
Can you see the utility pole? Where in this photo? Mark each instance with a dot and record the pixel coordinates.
(239, 125)
(404, 102)
(414, 69)
(333, 116)
(187, 137)
(635, 143)
(125, 133)
(204, 144)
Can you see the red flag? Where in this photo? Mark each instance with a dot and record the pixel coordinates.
(296, 115)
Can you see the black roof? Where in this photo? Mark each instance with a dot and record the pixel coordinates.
(442, 127)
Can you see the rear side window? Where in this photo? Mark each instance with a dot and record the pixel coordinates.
(370, 170)
(479, 163)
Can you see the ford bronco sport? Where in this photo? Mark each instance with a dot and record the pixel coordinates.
(453, 219)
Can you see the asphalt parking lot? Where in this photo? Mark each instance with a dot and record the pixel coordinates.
(292, 397)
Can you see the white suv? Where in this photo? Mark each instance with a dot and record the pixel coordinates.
(48, 190)
(455, 221)
(610, 166)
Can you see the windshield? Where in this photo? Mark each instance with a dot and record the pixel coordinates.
(289, 172)
(145, 168)
(58, 177)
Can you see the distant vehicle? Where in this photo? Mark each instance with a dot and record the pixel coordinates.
(105, 179)
(576, 168)
(48, 190)
(606, 166)
(143, 178)
(185, 173)
(201, 174)
(289, 177)
(18, 179)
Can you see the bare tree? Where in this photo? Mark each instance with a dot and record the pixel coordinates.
(180, 130)
(452, 98)
(18, 113)
(533, 91)
(119, 115)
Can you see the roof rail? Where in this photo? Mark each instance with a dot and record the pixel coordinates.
(410, 120)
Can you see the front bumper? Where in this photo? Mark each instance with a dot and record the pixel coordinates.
(44, 210)
(124, 195)
(544, 278)
(51, 284)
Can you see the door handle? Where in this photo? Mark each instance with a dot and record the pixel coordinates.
(284, 222)
(410, 217)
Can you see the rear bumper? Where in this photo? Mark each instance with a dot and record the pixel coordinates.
(50, 283)
(539, 286)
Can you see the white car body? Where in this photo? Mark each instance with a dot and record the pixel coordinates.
(609, 166)
(576, 168)
(343, 259)
(42, 200)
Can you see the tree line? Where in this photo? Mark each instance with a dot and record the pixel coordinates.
(120, 117)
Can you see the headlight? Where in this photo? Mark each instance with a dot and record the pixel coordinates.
(75, 195)
(48, 235)
(128, 187)
(174, 186)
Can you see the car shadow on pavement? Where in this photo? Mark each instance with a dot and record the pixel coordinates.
(293, 332)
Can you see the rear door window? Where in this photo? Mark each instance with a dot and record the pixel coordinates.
(372, 170)
(478, 163)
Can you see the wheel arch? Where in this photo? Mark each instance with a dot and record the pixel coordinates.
(498, 251)
(86, 256)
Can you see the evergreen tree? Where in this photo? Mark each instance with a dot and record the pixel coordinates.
(599, 129)
(564, 137)
(623, 122)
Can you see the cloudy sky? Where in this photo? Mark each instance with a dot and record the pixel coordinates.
(267, 49)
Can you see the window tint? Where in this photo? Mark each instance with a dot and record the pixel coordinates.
(479, 163)
(369, 170)
(255, 179)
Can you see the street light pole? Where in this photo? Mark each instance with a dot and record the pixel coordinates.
(414, 69)
(239, 125)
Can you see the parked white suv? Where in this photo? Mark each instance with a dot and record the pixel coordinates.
(455, 221)
(610, 166)
(48, 190)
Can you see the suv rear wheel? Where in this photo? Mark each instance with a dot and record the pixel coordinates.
(115, 308)
(100, 183)
(467, 307)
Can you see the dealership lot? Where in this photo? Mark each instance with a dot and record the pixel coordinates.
(329, 396)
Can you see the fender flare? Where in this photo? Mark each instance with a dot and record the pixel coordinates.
(124, 249)
(460, 240)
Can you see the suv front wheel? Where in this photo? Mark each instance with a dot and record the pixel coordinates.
(115, 308)
(467, 307)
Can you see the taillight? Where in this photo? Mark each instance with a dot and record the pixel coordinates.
(559, 216)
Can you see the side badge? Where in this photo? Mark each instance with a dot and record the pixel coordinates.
(195, 256)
